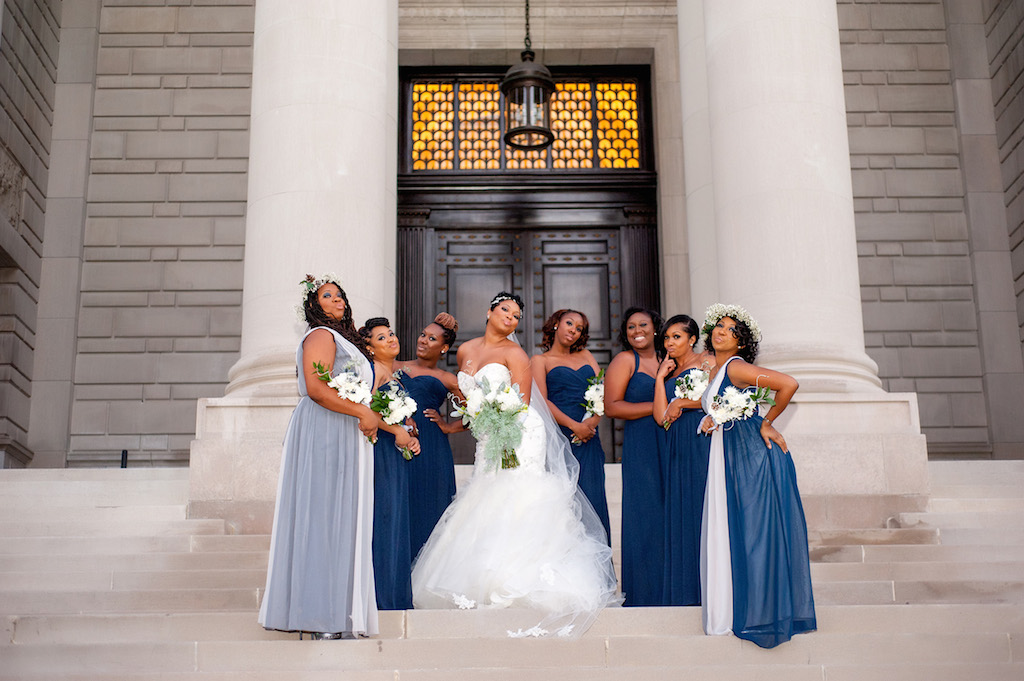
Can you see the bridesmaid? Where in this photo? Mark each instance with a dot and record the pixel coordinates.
(629, 396)
(756, 579)
(392, 560)
(686, 454)
(561, 374)
(432, 473)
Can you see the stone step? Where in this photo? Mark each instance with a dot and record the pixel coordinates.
(115, 513)
(921, 571)
(214, 543)
(882, 553)
(451, 624)
(983, 536)
(122, 580)
(92, 474)
(957, 472)
(975, 491)
(46, 563)
(21, 602)
(775, 672)
(467, 655)
(858, 537)
(962, 519)
(975, 504)
(109, 528)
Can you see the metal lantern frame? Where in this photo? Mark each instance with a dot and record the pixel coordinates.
(527, 88)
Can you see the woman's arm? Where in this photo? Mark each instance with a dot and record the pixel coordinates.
(785, 386)
(319, 349)
(519, 366)
(616, 379)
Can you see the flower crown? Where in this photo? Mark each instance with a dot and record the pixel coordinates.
(719, 310)
(311, 283)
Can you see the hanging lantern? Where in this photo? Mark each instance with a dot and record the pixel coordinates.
(527, 88)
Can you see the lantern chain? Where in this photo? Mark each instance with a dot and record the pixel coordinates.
(527, 41)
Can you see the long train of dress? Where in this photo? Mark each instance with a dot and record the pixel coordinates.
(522, 537)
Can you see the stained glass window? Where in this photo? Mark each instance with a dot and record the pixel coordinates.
(458, 125)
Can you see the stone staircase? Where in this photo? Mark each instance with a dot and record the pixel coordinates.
(103, 577)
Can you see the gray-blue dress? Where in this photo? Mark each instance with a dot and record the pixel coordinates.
(320, 573)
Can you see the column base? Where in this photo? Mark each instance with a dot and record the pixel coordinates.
(235, 460)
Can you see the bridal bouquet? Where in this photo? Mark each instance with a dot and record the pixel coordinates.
(492, 414)
(394, 406)
(736, 405)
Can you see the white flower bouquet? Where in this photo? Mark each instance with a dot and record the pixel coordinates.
(394, 406)
(492, 414)
(691, 385)
(348, 384)
(737, 405)
(593, 398)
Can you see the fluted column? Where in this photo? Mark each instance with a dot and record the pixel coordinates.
(780, 192)
(322, 174)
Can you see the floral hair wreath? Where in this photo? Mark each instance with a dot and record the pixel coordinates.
(311, 283)
(719, 310)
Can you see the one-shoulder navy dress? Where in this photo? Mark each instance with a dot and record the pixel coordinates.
(565, 391)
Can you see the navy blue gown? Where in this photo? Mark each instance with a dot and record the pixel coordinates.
(392, 559)
(686, 454)
(771, 575)
(565, 391)
(432, 473)
(643, 500)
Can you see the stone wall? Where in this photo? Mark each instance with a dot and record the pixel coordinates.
(160, 313)
(28, 70)
(1004, 24)
(920, 316)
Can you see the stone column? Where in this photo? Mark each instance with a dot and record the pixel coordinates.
(321, 198)
(771, 215)
(322, 173)
(783, 196)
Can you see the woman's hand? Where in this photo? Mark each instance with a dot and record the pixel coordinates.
(707, 425)
(368, 423)
(667, 366)
(410, 425)
(581, 431)
(405, 440)
(672, 412)
(771, 435)
(446, 427)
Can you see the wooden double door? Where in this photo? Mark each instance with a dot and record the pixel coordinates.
(592, 252)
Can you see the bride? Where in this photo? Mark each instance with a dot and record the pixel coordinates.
(521, 537)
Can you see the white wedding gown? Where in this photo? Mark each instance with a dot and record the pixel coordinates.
(522, 537)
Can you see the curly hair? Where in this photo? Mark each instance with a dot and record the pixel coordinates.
(548, 330)
(449, 326)
(744, 338)
(315, 317)
(688, 323)
(656, 320)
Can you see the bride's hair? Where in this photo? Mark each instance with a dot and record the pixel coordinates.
(548, 330)
(505, 295)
